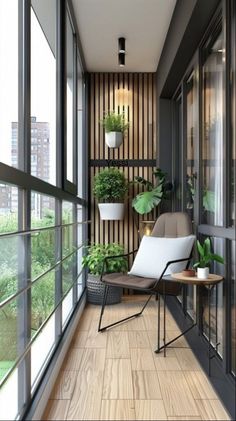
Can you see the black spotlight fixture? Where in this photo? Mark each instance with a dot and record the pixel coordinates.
(121, 42)
(121, 51)
(121, 59)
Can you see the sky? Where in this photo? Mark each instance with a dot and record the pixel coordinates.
(43, 80)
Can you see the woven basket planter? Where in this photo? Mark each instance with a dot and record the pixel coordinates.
(95, 291)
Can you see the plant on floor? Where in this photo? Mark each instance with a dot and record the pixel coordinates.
(205, 258)
(94, 261)
(95, 258)
(146, 201)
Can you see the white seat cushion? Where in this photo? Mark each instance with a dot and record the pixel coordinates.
(154, 253)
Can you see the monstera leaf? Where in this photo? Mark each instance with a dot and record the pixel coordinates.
(209, 200)
(144, 202)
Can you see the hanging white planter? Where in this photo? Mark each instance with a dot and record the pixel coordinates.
(111, 211)
(113, 139)
(203, 273)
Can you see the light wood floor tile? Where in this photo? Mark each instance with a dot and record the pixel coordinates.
(116, 375)
(93, 359)
(176, 394)
(118, 345)
(56, 410)
(65, 384)
(179, 343)
(212, 410)
(146, 385)
(117, 379)
(136, 324)
(150, 410)
(138, 339)
(199, 385)
(79, 339)
(187, 360)
(73, 359)
(86, 401)
(188, 418)
(142, 359)
(152, 335)
(166, 363)
(96, 339)
(84, 323)
(117, 410)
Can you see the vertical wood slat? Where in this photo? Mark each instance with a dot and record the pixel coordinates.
(137, 100)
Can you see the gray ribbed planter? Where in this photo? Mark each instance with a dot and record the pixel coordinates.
(95, 291)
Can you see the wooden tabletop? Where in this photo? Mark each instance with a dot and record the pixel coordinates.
(194, 280)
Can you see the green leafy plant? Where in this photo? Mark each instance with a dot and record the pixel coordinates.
(95, 258)
(110, 185)
(145, 201)
(205, 255)
(113, 122)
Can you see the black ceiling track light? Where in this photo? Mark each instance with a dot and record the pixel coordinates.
(121, 51)
(121, 59)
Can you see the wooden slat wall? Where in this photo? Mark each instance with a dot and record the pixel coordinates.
(135, 94)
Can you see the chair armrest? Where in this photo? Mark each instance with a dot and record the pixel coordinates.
(115, 257)
(186, 259)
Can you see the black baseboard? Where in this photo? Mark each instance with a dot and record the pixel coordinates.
(224, 385)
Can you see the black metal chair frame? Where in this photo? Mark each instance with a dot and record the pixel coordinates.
(152, 291)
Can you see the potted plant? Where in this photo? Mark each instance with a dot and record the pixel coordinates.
(110, 187)
(94, 262)
(115, 127)
(205, 258)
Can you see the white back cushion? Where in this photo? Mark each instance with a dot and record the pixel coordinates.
(154, 253)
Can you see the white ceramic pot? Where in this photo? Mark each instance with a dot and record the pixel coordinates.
(111, 211)
(202, 273)
(113, 139)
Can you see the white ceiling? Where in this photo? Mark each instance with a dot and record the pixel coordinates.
(144, 24)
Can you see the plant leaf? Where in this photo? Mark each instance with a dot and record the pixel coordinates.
(217, 258)
(144, 202)
(200, 249)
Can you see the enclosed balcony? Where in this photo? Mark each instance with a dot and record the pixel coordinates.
(117, 174)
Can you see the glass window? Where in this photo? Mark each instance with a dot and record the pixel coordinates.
(212, 135)
(43, 91)
(80, 160)
(9, 82)
(233, 307)
(43, 243)
(191, 175)
(178, 155)
(216, 304)
(69, 98)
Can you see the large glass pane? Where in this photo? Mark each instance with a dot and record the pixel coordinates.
(9, 82)
(233, 307)
(68, 231)
(10, 247)
(43, 243)
(8, 208)
(178, 155)
(69, 98)
(212, 135)
(43, 90)
(81, 167)
(191, 175)
(216, 303)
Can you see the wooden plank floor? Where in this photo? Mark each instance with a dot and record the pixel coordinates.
(115, 375)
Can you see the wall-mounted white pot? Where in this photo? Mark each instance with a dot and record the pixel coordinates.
(202, 273)
(111, 211)
(113, 139)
